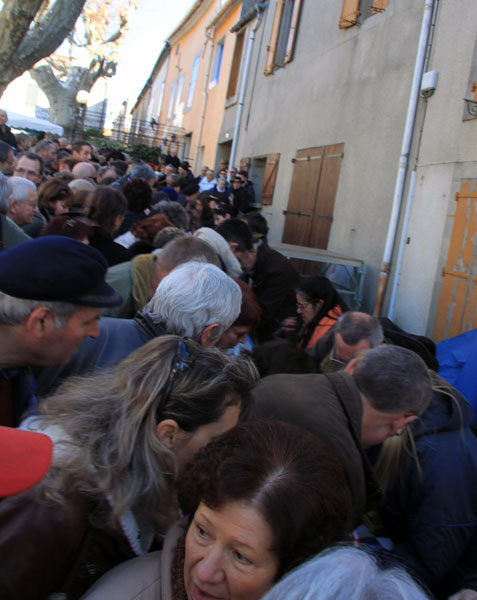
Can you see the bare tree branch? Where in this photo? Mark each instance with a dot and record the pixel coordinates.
(21, 46)
(92, 54)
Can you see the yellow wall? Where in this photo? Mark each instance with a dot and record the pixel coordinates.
(217, 95)
(182, 56)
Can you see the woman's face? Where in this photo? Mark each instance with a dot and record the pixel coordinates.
(190, 443)
(228, 554)
(60, 207)
(236, 334)
(307, 309)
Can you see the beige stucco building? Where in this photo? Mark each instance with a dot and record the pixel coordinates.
(349, 146)
(332, 115)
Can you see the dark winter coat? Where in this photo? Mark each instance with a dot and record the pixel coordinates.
(274, 283)
(48, 547)
(432, 517)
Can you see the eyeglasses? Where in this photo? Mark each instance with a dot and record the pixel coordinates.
(334, 359)
(183, 359)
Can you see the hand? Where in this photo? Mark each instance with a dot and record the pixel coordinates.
(464, 595)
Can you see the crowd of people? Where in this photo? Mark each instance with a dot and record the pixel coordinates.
(183, 416)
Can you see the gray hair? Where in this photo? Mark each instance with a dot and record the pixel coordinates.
(142, 172)
(356, 327)
(43, 144)
(5, 192)
(104, 169)
(343, 572)
(394, 379)
(175, 212)
(192, 297)
(19, 188)
(14, 310)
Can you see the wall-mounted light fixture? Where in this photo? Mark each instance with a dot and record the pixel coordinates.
(471, 103)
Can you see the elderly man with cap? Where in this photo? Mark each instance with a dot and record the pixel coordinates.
(51, 293)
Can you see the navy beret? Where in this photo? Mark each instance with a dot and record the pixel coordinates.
(57, 268)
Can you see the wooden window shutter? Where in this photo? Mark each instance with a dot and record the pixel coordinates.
(378, 6)
(292, 32)
(236, 60)
(277, 17)
(244, 164)
(349, 13)
(269, 177)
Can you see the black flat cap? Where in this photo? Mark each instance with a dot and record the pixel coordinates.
(57, 268)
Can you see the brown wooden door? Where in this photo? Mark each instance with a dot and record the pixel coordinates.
(309, 214)
(457, 310)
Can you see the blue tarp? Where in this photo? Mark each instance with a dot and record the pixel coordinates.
(457, 358)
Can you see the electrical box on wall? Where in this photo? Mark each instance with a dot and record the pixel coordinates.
(429, 83)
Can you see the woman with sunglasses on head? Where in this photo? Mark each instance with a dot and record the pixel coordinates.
(120, 440)
(319, 305)
(261, 499)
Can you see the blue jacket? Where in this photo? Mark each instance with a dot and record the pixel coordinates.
(432, 516)
(117, 339)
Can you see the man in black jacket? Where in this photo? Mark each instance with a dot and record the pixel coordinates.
(6, 134)
(274, 279)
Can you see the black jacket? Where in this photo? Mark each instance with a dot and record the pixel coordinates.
(274, 283)
(8, 137)
(114, 253)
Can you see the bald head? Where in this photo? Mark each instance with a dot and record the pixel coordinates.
(84, 170)
(181, 250)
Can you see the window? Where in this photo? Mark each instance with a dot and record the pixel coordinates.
(219, 50)
(171, 100)
(235, 69)
(282, 39)
(356, 11)
(180, 84)
(193, 79)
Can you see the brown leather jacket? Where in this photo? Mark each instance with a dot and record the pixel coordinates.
(47, 546)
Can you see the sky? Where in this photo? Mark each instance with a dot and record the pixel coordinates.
(150, 27)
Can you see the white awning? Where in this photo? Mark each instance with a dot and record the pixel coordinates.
(22, 121)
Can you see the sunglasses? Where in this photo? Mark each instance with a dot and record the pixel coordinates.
(184, 357)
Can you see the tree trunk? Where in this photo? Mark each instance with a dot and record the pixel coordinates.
(21, 46)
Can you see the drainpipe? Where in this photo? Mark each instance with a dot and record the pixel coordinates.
(210, 38)
(404, 158)
(243, 88)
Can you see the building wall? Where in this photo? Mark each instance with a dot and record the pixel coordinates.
(448, 155)
(217, 94)
(343, 86)
(197, 126)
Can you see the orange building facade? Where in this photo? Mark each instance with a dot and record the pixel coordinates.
(201, 53)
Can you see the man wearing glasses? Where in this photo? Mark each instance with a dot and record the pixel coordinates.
(353, 332)
(22, 201)
(30, 166)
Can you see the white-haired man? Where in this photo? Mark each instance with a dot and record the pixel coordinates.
(22, 201)
(10, 233)
(196, 300)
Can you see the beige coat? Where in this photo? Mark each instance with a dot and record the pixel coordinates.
(147, 577)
